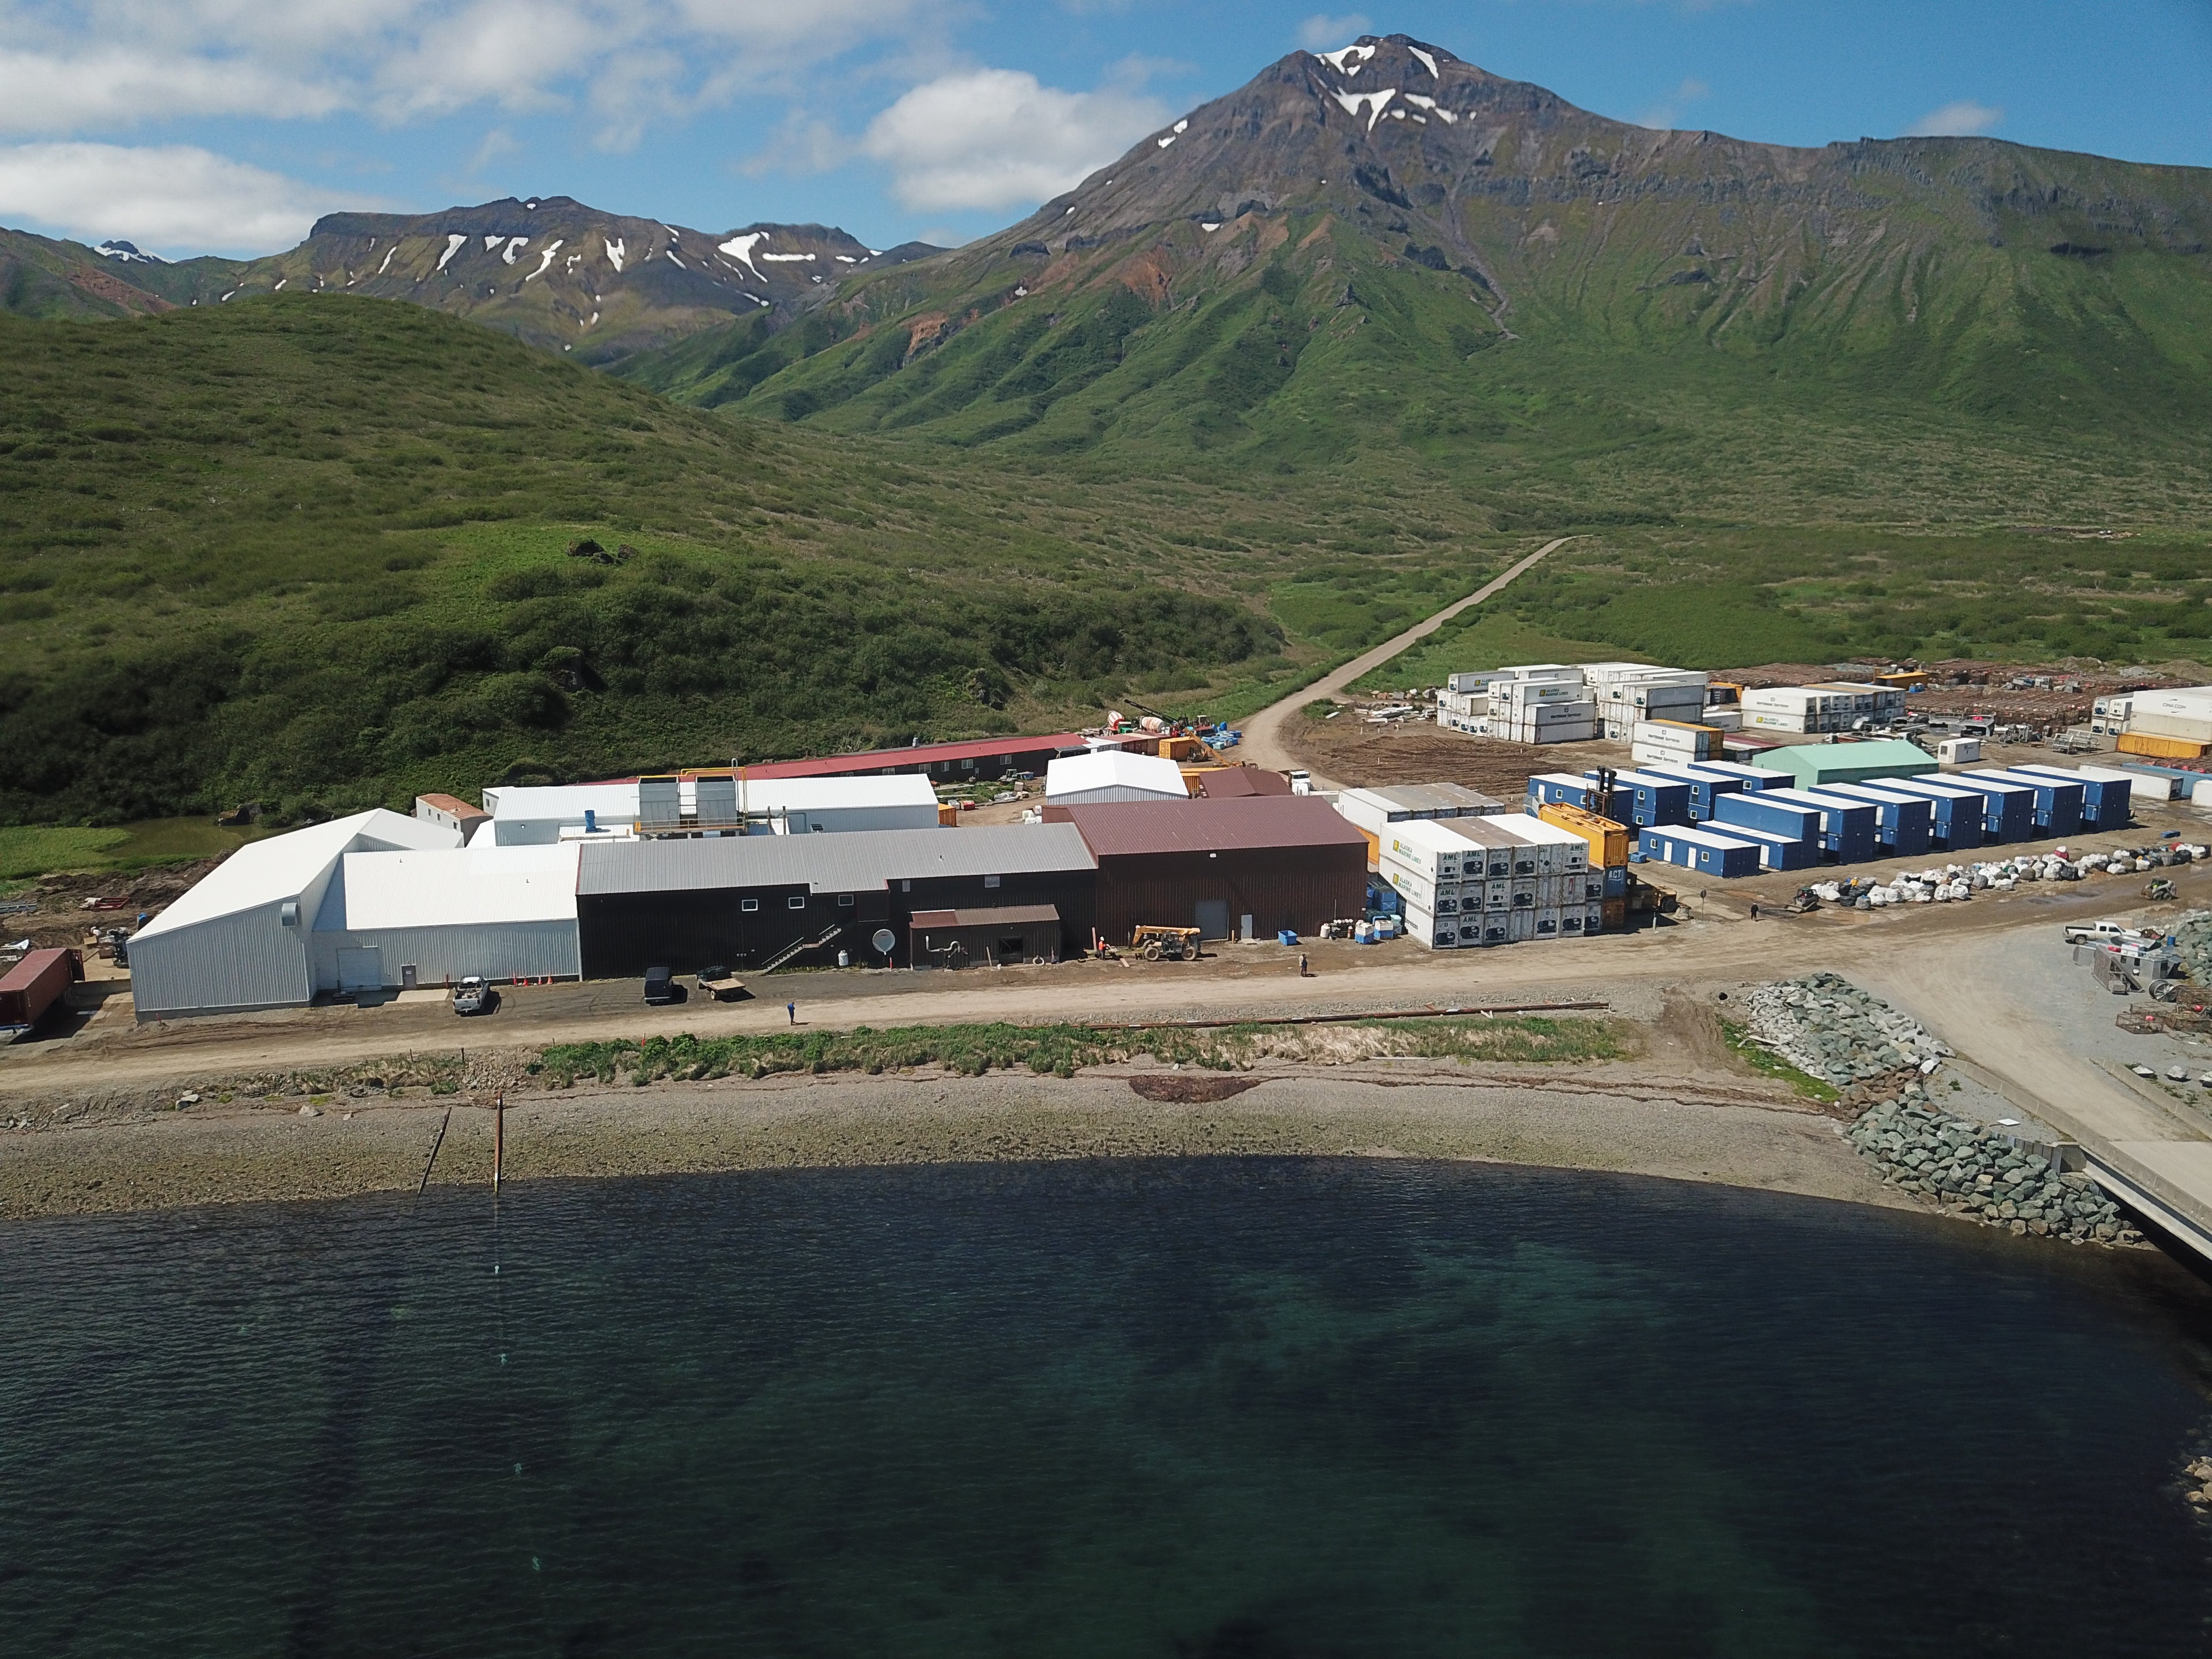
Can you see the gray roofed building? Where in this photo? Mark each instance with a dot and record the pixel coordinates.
(865, 860)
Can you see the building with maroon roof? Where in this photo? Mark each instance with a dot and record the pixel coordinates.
(1285, 862)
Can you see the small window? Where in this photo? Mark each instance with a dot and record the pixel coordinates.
(906, 887)
(990, 881)
(748, 906)
(796, 902)
(844, 901)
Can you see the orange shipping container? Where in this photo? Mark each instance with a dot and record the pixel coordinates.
(2158, 748)
(948, 815)
(1609, 841)
(1615, 912)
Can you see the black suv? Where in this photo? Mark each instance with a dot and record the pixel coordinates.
(662, 989)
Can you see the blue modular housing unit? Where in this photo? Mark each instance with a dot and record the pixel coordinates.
(1775, 852)
(2106, 803)
(2058, 801)
(1704, 784)
(1561, 788)
(1706, 851)
(1903, 825)
(1958, 812)
(1754, 778)
(2007, 809)
(1643, 799)
(1793, 820)
(1846, 825)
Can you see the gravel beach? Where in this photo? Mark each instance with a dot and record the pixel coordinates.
(1610, 1118)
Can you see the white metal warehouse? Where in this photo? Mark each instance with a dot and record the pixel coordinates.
(1112, 775)
(241, 938)
(404, 920)
(534, 815)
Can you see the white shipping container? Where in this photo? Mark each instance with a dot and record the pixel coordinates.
(1958, 751)
(2188, 728)
(1521, 926)
(1725, 717)
(1548, 922)
(2192, 702)
(1593, 919)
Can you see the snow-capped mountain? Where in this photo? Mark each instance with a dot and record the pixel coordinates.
(562, 275)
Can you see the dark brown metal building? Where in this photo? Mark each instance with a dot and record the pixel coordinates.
(1285, 862)
(974, 937)
(745, 900)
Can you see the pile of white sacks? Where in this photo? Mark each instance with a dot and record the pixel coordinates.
(1950, 883)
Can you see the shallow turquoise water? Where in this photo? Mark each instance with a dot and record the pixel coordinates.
(1203, 1409)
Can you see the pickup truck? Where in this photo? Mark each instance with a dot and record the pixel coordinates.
(473, 996)
(720, 984)
(2104, 932)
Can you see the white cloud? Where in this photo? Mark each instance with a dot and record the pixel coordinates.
(1963, 119)
(1321, 33)
(995, 138)
(1669, 110)
(175, 198)
(73, 67)
(50, 93)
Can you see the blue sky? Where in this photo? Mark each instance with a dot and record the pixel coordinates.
(227, 125)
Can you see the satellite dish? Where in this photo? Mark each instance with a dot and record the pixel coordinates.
(885, 941)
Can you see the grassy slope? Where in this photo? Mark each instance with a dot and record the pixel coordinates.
(312, 551)
(1839, 456)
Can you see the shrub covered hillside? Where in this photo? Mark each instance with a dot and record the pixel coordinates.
(316, 553)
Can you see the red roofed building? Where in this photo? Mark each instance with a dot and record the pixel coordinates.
(944, 762)
(1286, 861)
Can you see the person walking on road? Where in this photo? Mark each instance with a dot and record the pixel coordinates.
(790, 1012)
(1304, 972)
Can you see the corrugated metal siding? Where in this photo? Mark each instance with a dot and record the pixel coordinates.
(1298, 888)
(834, 863)
(248, 959)
(622, 934)
(512, 950)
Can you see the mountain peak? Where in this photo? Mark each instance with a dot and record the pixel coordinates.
(126, 253)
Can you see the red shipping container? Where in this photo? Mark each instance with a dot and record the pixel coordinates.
(35, 984)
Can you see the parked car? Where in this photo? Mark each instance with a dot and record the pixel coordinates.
(662, 989)
(473, 996)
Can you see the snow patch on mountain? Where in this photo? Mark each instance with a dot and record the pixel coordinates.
(513, 245)
(453, 246)
(614, 253)
(127, 253)
(1373, 102)
(1337, 60)
(741, 247)
(1425, 58)
(544, 260)
(490, 242)
(388, 252)
(785, 258)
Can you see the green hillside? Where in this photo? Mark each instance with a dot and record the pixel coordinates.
(312, 551)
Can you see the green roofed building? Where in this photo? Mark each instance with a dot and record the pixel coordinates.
(1815, 764)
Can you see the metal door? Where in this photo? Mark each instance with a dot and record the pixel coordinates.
(360, 970)
(1214, 918)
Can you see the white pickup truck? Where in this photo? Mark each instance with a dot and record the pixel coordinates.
(2107, 932)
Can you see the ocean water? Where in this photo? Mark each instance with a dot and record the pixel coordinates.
(1210, 1408)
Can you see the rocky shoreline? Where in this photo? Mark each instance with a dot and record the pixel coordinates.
(1985, 1175)
(1830, 1030)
